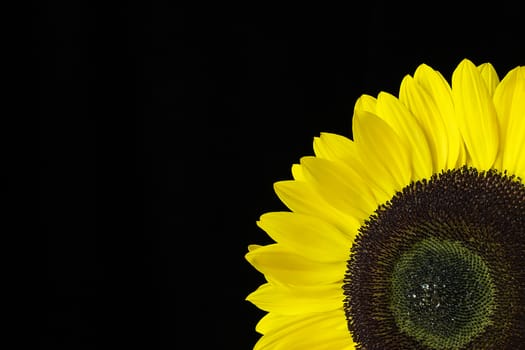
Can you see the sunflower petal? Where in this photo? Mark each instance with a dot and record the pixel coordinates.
(297, 172)
(422, 105)
(340, 186)
(300, 197)
(431, 85)
(273, 321)
(476, 115)
(489, 76)
(366, 103)
(381, 149)
(316, 331)
(306, 235)
(344, 153)
(509, 100)
(297, 300)
(334, 147)
(253, 247)
(503, 100)
(391, 110)
(287, 267)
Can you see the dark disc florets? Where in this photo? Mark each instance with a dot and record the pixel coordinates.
(441, 266)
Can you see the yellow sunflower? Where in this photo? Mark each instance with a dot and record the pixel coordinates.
(410, 236)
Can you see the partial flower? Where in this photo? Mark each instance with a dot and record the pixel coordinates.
(410, 236)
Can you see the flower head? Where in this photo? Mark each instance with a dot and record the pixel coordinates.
(410, 236)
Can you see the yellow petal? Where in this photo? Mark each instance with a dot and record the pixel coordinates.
(401, 120)
(509, 100)
(300, 197)
(297, 300)
(380, 148)
(435, 87)
(307, 235)
(316, 331)
(289, 268)
(334, 147)
(476, 115)
(297, 172)
(273, 320)
(503, 100)
(366, 103)
(252, 247)
(489, 76)
(343, 152)
(340, 186)
(423, 107)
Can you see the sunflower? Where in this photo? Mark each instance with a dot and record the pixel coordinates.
(411, 235)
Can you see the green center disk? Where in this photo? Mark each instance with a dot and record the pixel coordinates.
(441, 294)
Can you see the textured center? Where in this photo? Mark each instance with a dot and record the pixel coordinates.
(441, 266)
(442, 294)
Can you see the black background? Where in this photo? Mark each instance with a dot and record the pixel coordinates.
(164, 127)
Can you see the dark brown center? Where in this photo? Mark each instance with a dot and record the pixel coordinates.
(441, 266)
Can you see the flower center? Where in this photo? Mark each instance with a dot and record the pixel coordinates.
(441, 266)
(442, 293)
